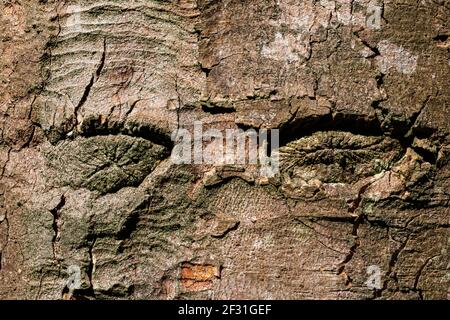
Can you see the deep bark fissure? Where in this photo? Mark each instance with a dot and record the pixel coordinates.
(358, 221)
(92, 81)
(56, 226)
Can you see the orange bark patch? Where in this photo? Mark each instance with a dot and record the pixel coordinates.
(198, 277)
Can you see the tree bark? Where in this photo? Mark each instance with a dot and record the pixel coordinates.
(93, 206)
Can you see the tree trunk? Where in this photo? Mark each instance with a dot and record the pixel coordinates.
(98, 98)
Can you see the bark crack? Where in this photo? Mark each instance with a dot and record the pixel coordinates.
(56, 212)
(356, 244)
(91, 83)
(391, 273)
(8, 158)
(132, 106)
(321, 234)
(91, 265)
(180, 103)
(419, 274)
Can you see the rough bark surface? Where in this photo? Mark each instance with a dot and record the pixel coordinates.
(90, 92)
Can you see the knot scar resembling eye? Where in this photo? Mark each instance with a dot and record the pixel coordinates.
(338, 157)
(106, 160)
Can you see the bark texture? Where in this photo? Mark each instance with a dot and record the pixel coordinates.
(91, 91)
